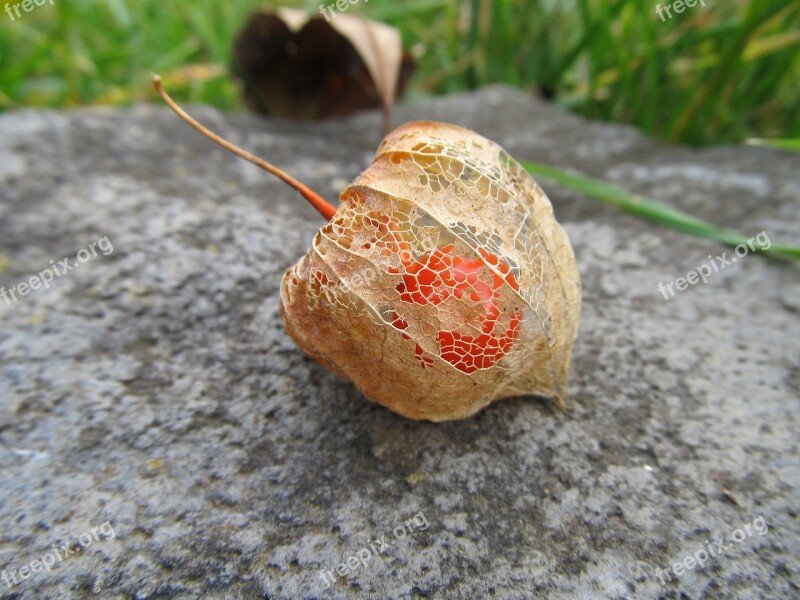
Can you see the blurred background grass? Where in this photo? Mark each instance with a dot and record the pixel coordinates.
(715, 74)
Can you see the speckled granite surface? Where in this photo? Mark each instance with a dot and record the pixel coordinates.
(158, 425)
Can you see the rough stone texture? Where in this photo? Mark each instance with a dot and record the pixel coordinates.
(155, 388)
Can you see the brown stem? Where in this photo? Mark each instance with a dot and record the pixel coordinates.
(317, 201)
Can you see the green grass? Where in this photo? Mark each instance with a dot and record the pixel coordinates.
(653, 211)
(720, 73)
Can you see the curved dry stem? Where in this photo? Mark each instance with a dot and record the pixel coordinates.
(317, 201)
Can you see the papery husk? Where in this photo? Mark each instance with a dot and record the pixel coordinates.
(439, 188)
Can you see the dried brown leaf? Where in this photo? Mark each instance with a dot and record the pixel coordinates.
(294, 66)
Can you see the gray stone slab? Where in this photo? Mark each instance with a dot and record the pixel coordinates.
(153, 396)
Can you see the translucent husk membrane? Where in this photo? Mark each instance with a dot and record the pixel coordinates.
(443, 281)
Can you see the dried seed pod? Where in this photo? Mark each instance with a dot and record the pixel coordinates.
(441, 283)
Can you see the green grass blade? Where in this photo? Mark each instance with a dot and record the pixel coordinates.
(793, 145)
(651, 210)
